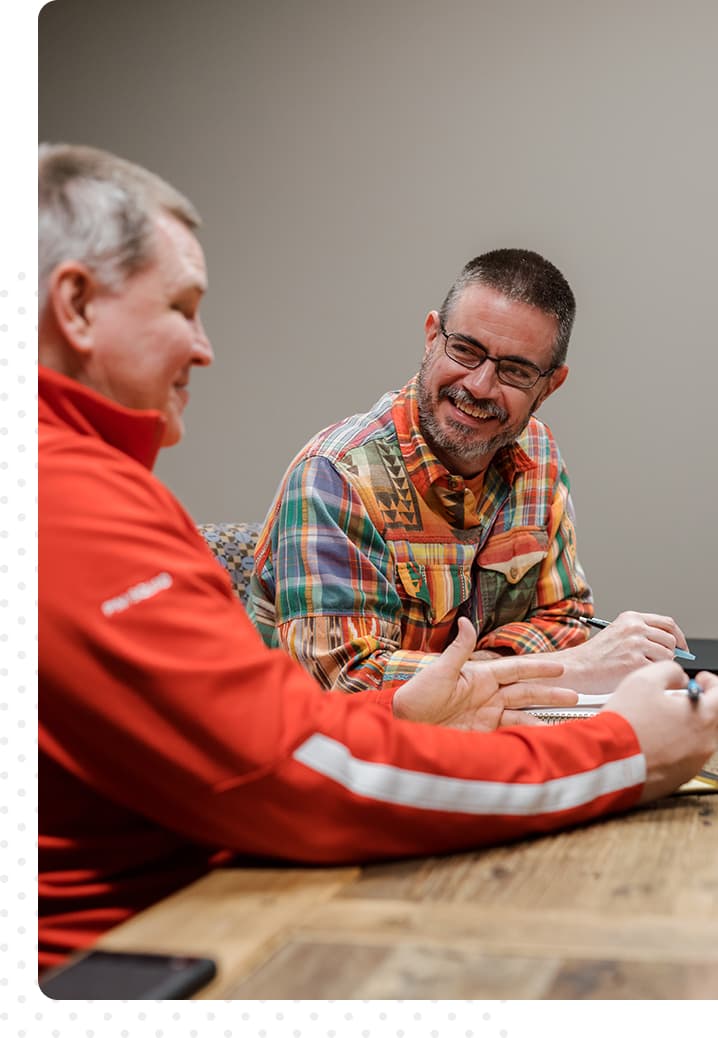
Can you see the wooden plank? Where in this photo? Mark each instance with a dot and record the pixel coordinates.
(633, 980)
(306, 970)
(498, 930)
(235, 916)
(625, 908)
(660, 860)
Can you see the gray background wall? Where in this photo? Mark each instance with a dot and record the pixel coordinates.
(348, 157)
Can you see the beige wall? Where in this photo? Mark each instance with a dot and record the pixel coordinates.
(348, 157)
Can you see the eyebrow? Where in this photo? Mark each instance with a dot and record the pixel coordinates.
(480, 346)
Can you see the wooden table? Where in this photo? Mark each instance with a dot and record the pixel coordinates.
(626, 908)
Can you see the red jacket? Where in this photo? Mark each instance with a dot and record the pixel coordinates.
(169, 731)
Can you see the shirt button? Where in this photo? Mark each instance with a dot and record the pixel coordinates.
(513, 572)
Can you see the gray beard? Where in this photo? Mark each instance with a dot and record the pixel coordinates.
(458, 441)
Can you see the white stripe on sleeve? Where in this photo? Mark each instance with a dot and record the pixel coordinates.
(394, 785)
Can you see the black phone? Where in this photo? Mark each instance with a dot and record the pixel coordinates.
(706, 653)
(106, 974)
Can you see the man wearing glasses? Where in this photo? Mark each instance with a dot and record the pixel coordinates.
(447, 499)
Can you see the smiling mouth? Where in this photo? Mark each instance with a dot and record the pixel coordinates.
(477, 413)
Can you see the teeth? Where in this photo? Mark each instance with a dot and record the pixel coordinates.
(473, 412)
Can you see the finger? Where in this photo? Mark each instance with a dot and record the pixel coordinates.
(661, 637)
(709, 684)
(526, 694)
(656, 649)
(513, 718)
(665, 623)
(523, 668)
(680, 638)
(458, 652)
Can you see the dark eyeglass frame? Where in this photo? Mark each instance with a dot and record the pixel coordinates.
(484, 355)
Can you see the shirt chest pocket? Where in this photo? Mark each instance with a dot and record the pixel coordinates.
(509, 566)
(431, 587)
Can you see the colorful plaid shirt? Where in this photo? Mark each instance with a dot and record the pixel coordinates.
(372, 550)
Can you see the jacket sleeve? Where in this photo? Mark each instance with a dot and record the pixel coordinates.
(325, 572)
(158, 693)
(562, 594)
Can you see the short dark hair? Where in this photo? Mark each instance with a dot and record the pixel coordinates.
(525, 277)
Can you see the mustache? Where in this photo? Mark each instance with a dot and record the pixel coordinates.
(458, 395)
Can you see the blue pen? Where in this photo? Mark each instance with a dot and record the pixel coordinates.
(694, 690)
(593, 621)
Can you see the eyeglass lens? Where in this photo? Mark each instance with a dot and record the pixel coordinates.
(522, 375)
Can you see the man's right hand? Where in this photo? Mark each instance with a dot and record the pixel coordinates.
(677, 736)
(632, 640)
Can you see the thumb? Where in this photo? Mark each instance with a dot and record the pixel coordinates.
(459, 651)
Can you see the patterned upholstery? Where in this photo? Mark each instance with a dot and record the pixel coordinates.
(233, 546)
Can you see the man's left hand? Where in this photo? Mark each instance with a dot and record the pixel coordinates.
(460, 692)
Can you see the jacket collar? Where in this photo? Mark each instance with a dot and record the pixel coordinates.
(65, 402)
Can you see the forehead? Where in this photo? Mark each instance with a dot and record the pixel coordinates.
(503, 325)
(178, 256)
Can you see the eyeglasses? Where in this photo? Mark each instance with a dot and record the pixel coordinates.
(521, 374)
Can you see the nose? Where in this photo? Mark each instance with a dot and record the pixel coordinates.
(202, 352)
(482, 381)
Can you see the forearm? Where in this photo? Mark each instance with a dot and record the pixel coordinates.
(352, 654)
(328, 585)
(548, 629)
(363, 787)
(233, 745)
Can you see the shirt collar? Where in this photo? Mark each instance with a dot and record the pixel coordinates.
(424, 468)
(67, 402)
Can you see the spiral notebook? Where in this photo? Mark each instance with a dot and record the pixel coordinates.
(589, 706)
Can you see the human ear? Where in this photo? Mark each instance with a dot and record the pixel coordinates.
(555, 381)
(432, 327)
(71, 296)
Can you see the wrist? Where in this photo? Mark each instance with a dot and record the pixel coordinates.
(577, 673)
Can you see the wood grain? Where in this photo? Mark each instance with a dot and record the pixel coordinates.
(624, 908)
(235, 916)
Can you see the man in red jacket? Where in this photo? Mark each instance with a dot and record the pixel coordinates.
(168, 731)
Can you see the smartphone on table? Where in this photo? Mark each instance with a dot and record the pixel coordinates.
(106, 974)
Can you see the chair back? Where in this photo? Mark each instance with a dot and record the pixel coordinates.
(233, 545)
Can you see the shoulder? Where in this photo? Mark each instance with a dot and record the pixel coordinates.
(113, 536)
(82, 478)
(354, 432)
(539, 443)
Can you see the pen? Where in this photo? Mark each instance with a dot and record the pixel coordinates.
(593, 621)
(694, 690)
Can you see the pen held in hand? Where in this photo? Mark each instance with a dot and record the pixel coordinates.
(594, 621)
(693, 691)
